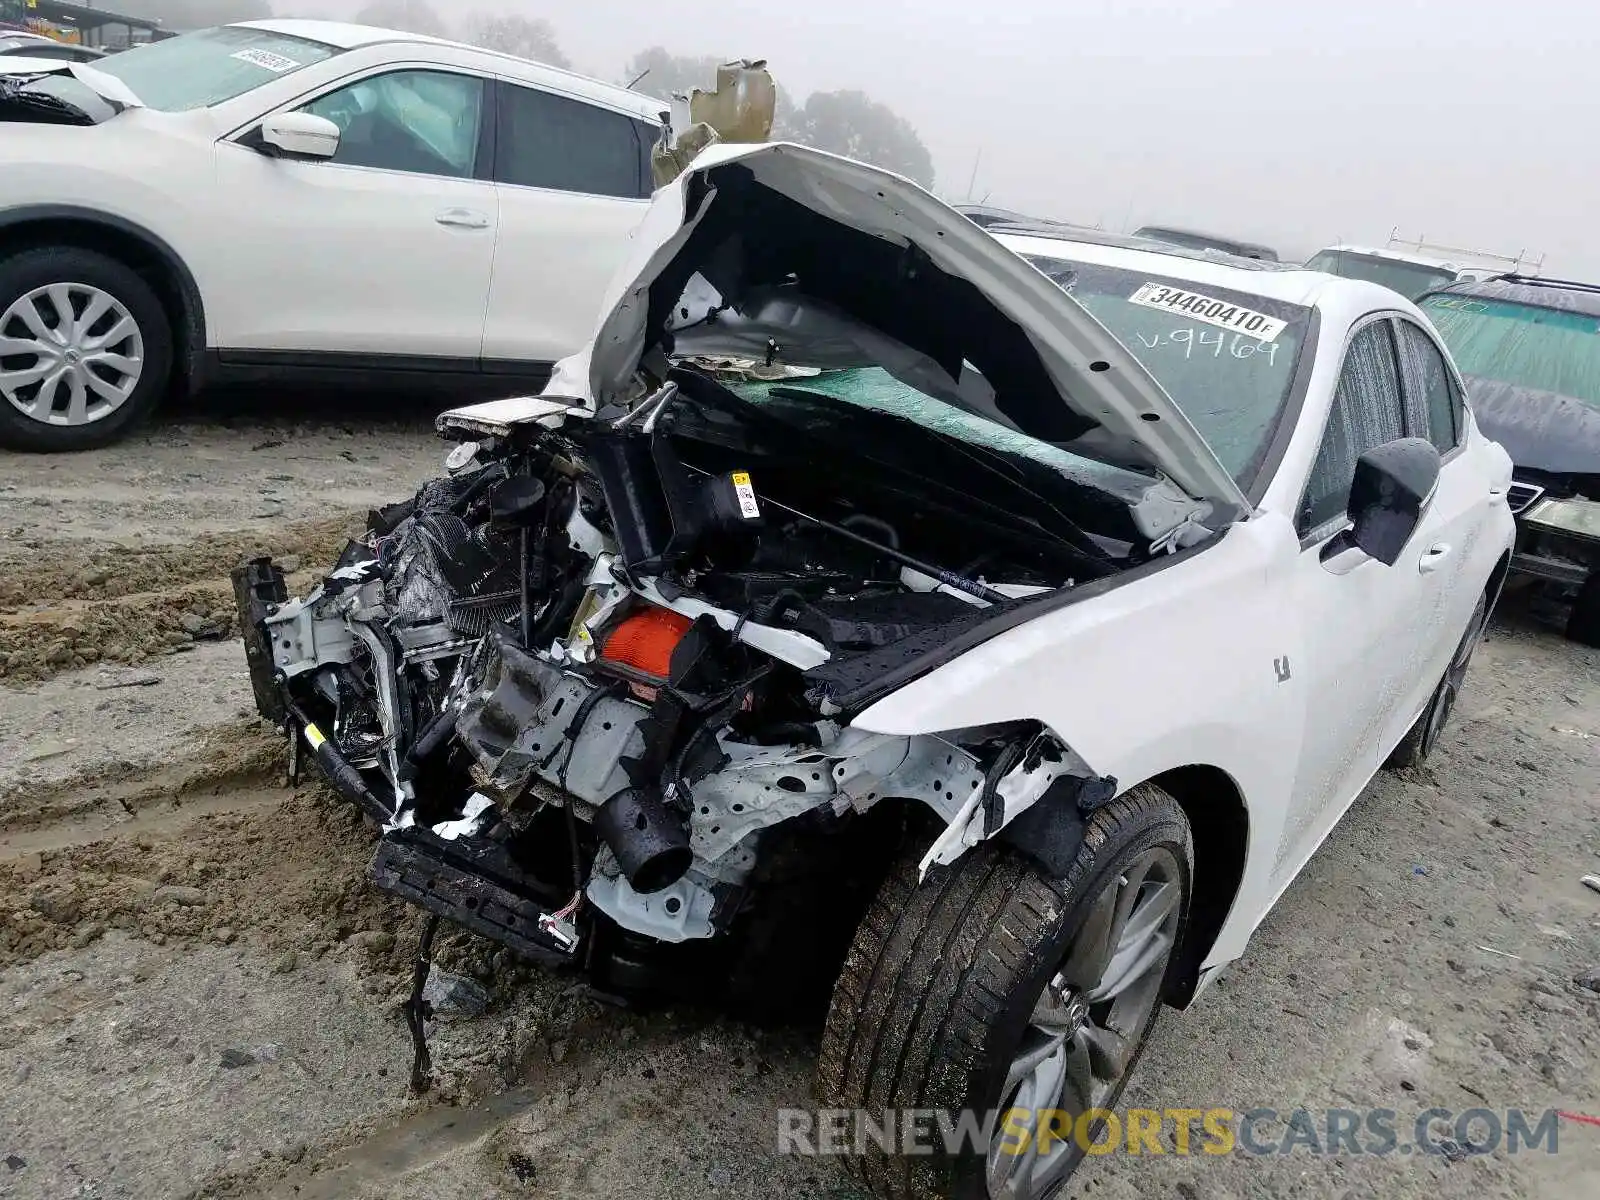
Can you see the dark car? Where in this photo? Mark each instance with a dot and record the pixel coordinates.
(1195, 240)
(1530, 351)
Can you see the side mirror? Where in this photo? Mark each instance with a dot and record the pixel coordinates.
(1393, 486)
(298, 135)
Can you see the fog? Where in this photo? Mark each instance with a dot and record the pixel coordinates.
(1298, 124)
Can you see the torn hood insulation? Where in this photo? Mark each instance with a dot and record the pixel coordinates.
(756, 249)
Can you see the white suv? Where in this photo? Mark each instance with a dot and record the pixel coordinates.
(305, 199)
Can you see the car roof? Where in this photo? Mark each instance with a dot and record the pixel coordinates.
(1276, 281)
(1564, 294)
(348, 36)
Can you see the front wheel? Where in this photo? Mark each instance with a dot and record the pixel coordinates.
(1009, 1000)
(85, 349)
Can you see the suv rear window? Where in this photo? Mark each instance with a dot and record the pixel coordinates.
(1521, 344)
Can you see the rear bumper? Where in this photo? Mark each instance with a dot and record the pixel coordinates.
(1543, 566)
(1558, 539)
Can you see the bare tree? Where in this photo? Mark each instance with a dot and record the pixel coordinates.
(414, 16)
(855, 125)
(523, 36)
(664, 75)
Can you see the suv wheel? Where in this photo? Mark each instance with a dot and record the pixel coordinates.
(992, 987)
(1421, 738)
(85, 349)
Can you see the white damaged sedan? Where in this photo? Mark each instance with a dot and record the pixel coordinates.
(980, 631)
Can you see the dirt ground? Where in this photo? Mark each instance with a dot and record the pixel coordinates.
(199, 993)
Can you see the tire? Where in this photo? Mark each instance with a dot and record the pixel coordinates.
(1583, 623)
(113, 383)
(938, 995)
(1423, 737)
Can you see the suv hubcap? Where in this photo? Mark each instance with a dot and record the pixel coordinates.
(1084, 1029)
(70, 354)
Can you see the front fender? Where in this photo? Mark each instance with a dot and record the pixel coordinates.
(1192, 664)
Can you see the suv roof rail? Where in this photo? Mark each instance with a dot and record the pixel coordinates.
(1516, 262)
(1576, 285)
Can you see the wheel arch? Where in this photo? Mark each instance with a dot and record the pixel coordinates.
(1219, 823)
(31, 226)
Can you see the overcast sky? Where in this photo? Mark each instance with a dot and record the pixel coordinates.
(1296, 123)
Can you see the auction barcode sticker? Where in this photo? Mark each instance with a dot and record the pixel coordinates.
(1211, 311)
(266, 60)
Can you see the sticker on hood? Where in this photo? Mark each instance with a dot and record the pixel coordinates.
(1199, 307)
(266, 60)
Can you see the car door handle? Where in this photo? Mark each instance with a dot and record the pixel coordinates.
(1433, 557)
(462, 218)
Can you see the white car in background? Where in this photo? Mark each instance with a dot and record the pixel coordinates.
(1411, 273)
(300, 199)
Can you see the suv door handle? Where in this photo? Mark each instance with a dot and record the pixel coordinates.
(462, 218)
(1433, 557)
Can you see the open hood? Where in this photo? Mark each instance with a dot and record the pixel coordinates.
(758, 247)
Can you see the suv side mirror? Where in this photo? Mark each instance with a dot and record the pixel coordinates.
(1393, 486)
(297, 135)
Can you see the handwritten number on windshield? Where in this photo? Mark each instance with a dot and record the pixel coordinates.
(1195, 343)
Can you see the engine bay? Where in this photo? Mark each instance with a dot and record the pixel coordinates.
(596, 679)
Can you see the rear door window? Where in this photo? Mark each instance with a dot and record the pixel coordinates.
(1429, 391)
(550, 141)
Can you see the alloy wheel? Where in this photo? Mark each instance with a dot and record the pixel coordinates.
(1084, 1029)
(70, 354)
(1444, 700)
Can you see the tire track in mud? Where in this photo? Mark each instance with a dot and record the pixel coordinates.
(249, 859)
(67, 605)
(60, 814)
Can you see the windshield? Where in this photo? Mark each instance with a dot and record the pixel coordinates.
(1521, 344)
(875, 389)
(1226, 358)
(206, 68)
(1409, 279)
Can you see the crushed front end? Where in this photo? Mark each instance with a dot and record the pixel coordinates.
(593, 686)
